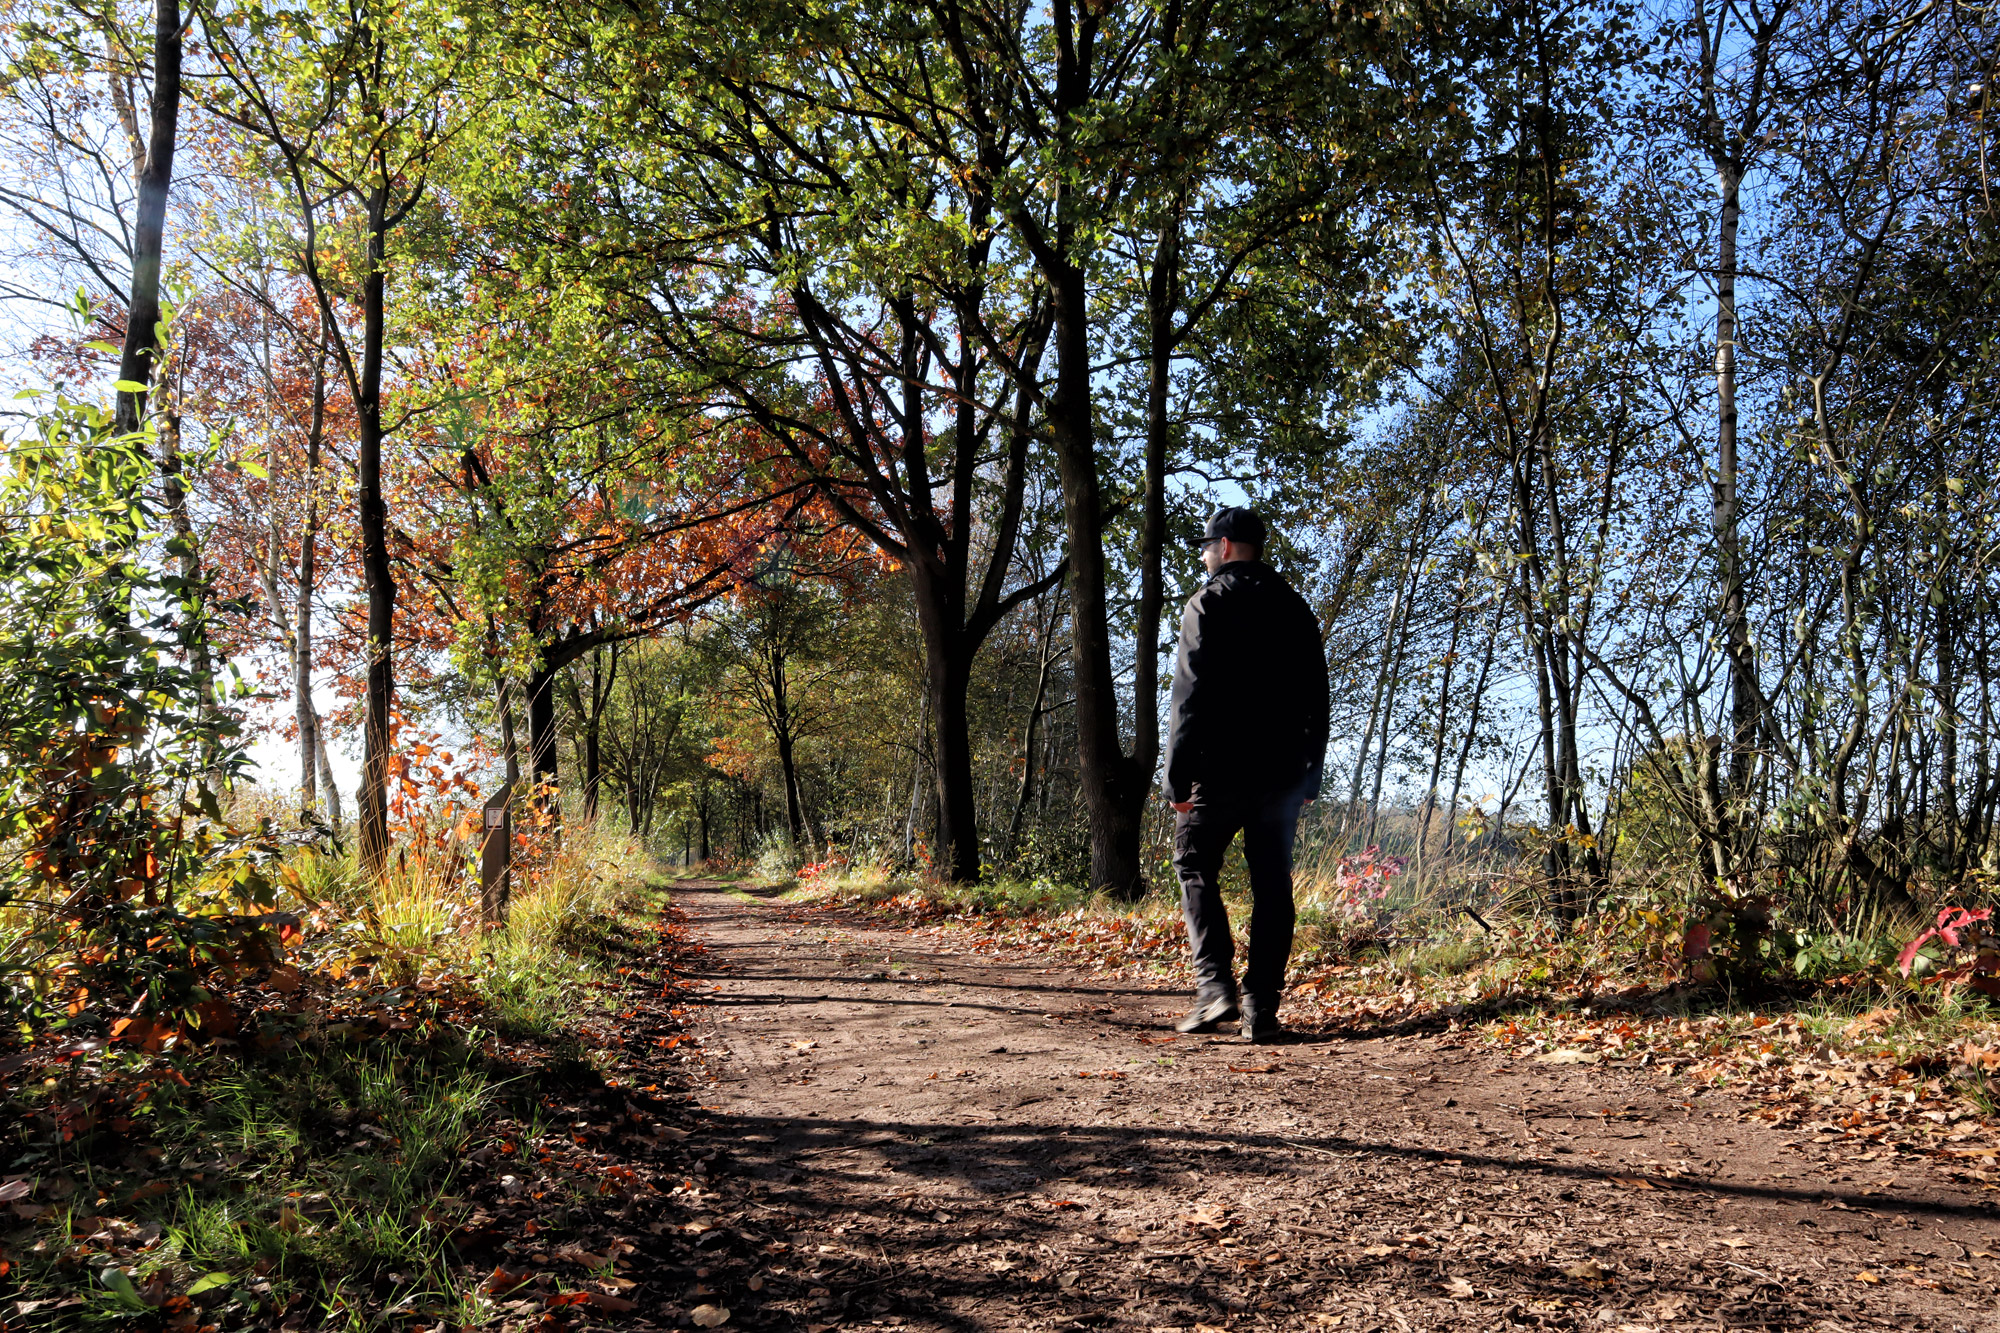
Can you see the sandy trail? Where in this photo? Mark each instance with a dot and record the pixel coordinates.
(939, 1140)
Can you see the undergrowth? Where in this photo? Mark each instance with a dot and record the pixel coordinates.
(305, 1165)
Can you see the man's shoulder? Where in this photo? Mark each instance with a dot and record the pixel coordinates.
(1253, 583)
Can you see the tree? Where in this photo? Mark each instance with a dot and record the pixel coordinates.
(353, 102)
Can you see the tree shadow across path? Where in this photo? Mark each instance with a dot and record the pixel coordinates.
(920, 1151)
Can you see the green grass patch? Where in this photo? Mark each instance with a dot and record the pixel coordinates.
(324, 1176)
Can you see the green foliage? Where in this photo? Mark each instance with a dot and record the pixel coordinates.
(121, 878)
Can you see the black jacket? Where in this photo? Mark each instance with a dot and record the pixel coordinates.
(1250, 694)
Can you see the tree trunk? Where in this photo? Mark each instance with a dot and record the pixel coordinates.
(510, 736)
(1472, 725)
(795, 806)
(543, 761)
(311, 748)
(592, 769)
(957, 856)
(1382, 669)
(1743, 693)
(137, 358)
(1437, 736)
(378, 581)
(333, 815)
(1028, 757)
(1162, 301)
(1402, 637)
(1108, 774)
(948, 651)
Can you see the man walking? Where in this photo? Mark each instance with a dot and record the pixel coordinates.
(1245, 749)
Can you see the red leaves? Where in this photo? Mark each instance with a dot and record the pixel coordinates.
(1960, 928)
(145, 1033)
(216, 1017)
(596, 1300)
(1952, 926)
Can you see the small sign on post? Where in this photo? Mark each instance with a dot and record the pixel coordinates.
(496, 858)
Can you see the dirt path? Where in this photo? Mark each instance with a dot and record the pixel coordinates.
(908, 1135)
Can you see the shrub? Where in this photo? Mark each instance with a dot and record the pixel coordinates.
(124, 882)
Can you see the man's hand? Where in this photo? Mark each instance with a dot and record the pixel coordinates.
(1182, 806)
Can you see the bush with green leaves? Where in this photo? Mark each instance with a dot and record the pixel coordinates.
(120, 882)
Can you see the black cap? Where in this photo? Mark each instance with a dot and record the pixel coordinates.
(1235, 523)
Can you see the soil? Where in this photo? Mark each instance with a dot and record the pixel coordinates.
(900, 1132)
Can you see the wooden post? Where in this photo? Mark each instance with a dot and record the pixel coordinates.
(496, 858)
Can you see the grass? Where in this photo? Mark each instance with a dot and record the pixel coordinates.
(321, 1168)
(325, 1174)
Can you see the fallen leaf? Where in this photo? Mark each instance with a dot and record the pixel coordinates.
(1632, 1182)
(1877, 1018)
(1459, 1289)
(804, 1045)
(1589, 1270)
(1158, 1041)
(1979, 1058)
(1059, 1204)
(709, 1316)
(1255, 1069)
(1207, 1215)
(1379, 1250)
(16, 1189)
(595, 1299)
(1732, 1242)
(121, 1287)
(1872, 1279)
(284, 979)
(1568, 1056)
(1126, 1236)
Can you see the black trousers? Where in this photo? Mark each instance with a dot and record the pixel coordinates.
(1269, 824)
